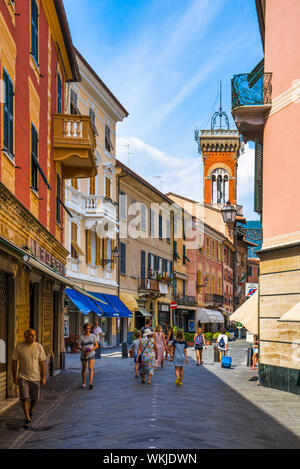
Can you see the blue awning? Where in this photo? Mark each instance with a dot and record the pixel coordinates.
(123, 311)
(108, 309)
(85, 304)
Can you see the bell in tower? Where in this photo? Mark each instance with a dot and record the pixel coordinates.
(220, 149)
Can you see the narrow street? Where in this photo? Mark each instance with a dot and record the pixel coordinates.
(215, 408)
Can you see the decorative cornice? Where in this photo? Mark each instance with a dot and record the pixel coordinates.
(30, 227)
(289, 96)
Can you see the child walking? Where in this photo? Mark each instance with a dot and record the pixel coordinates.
(180, 356)
(135, 347)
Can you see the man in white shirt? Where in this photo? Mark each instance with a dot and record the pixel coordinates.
(31, 358)
(222, 341)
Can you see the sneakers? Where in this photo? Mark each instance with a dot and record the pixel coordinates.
(91, 386)
(83, 386)
(178, 381)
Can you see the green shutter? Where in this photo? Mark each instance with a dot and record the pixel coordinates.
(258, 182)
(8, 114)
(34, 31)
(59, 107)
(34, 156)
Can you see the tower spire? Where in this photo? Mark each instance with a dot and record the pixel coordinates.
(219, 114)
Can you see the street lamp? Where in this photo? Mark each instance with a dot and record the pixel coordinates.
(229, 213)
(115, 253)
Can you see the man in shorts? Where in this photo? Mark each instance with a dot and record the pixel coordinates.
(31, 358)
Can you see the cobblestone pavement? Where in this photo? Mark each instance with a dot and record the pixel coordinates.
(215, 408)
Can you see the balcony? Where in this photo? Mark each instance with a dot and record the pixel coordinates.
(148, 284)
(92, 207)
(185, 300)
(74, 144)
(251, 101)
(152, 288)
(213, 299)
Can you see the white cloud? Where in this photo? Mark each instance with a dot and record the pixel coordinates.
(179, 175)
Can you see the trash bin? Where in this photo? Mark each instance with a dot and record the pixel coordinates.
(124, 350)
(216, 354)
(98, 351)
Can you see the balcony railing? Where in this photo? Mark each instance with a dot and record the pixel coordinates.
(89, 205)
(148, 284)
(212, 298)
(247, 91)
(74, 144)
(185, 300)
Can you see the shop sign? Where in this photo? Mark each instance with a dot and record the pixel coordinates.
(44, 256)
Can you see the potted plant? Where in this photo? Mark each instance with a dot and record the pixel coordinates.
(189, 338)
(71, 342)
(208, 338)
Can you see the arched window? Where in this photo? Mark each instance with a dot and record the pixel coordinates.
(219, 186)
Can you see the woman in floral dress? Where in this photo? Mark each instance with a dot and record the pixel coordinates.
(148, 351)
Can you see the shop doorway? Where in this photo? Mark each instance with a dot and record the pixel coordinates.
(3, 334)
(34, 308)
(56, 330)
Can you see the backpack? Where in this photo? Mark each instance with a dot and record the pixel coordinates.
(222, 343)
(199, 340)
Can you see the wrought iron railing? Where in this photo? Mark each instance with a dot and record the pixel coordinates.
(185, 300)
(148, 284)
(212, 298)
(248, 92)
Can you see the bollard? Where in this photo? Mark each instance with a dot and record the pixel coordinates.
(124, 350)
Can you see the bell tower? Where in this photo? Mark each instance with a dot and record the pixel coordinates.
(219, 147)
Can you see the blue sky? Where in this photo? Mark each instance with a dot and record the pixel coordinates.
(163, 59)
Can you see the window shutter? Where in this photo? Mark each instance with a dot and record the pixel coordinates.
(5, 113)
(88, 247)
(34, 156)
(143, 264)
(98, 250)
(107, 187)
(59, 89)
(258, 183)
(160, 226)
(112, 255)
(92, 186)
(34, 30)
(149, 262)
(104, 250)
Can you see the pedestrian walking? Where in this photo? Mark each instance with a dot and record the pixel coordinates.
(30, 356)
(222, 342)
(135, 348)
(199, 343)
(180, 357)
(255, 353)
(169, 343)
(148, 352)
(159, 337)
(97, 331)
(87, 343)
(147, 325)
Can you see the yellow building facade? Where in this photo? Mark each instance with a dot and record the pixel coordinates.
(146, 249)
(90, 234)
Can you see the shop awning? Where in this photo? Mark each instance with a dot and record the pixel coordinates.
(84, 303)
(144, 312)
(247, 314)
(119, 306)
(129, 300)
(209, 316)
(108, 310)
(293, 314)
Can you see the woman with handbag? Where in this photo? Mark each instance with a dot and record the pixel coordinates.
(147, 354)
(199, 343)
